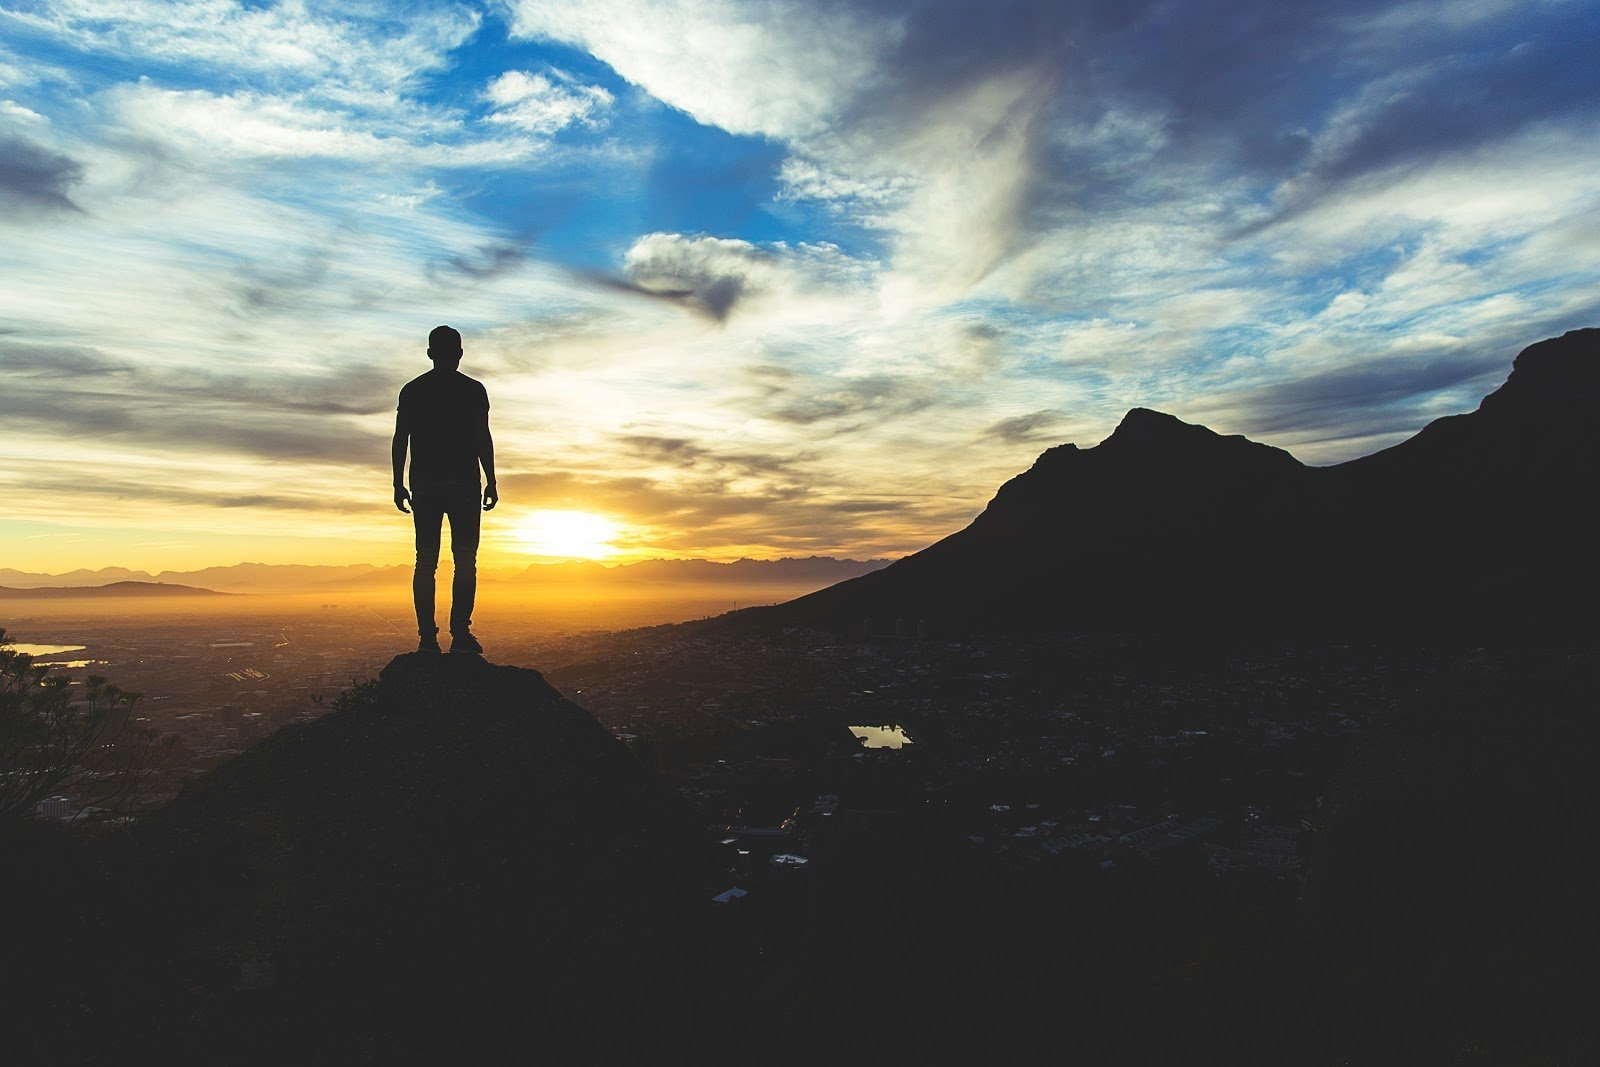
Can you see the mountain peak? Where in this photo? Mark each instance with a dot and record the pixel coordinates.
(1149, 422)
(1145, 429)
(1149, 436)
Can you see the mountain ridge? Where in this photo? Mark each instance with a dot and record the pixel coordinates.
(124, 588)
(1475, 521)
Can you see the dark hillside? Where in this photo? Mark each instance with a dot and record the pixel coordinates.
(455, 850)
(460, 866)
(1478, 528)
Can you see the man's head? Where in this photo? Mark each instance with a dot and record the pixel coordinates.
(444, 347)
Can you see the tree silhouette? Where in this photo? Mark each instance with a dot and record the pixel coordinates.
(50, 743)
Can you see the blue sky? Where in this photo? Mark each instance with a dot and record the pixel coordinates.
(772, 278)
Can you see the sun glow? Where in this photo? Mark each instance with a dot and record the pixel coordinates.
(568, 535)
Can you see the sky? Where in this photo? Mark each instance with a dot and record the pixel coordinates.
(769, 278)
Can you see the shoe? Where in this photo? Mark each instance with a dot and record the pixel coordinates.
(465, 642)
(428, 643)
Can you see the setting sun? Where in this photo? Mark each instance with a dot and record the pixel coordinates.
(568, 535)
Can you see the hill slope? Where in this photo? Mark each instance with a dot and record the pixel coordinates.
(1477, 525)
(456, 859)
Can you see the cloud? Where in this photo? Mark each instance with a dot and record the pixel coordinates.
(149, 493)
(206, 128)
(730, 520)
(33, 179)
(1327, 400)
(685, 454)
(359, 44)
(1031, 428)
(86, 395)
(280, 287)
(782, 68)
(218, 430)
(543, 104)
(22, 359)
(973, 137)
(879, 396)
(959, 233)
(708, 274)
(487, 261)
(714, 275)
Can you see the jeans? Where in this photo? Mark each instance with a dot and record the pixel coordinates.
(429, 506)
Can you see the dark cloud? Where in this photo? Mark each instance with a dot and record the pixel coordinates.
(96, 484)
(714, 297)
(1240, 87)
(279, 287)
(486, 262)
(360, 389)
(221, 429)
(1477, 98)
(67, 361)
(679, 450)
(1364, 399)
(687, 455)
(87, 395)
(33, 179)
(1462, 102)
(823, 400)
(708, 276)
(1025, 429)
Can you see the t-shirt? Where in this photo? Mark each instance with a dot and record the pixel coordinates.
(444, 411)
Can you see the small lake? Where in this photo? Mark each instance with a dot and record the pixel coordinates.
(881, 736)
(44, 650)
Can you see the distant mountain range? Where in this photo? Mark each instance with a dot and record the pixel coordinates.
(110, 589)
(1478, 525)
(291, 578)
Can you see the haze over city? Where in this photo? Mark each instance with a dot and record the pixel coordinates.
(761, 280)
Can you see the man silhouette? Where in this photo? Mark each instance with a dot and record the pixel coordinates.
(444, 416)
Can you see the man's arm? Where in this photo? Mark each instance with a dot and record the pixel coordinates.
(491, 494)
(397, 457)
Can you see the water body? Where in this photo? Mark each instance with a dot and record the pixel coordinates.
(44, 650)
(887, 736)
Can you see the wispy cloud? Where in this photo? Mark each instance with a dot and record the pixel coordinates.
(545, 103)
(765, 277)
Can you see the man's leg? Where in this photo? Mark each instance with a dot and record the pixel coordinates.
(466, 522)
(428, 515)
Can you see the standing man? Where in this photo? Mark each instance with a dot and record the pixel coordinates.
(444, 415)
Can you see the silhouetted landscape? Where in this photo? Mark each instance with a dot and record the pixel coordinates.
(1182, 751)
(1478, 525)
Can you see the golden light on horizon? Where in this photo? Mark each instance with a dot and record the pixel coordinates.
(568, 535)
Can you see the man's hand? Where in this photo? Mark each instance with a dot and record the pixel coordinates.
(400, 498)
(491, 497)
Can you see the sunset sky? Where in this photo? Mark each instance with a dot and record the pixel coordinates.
(749, 278)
